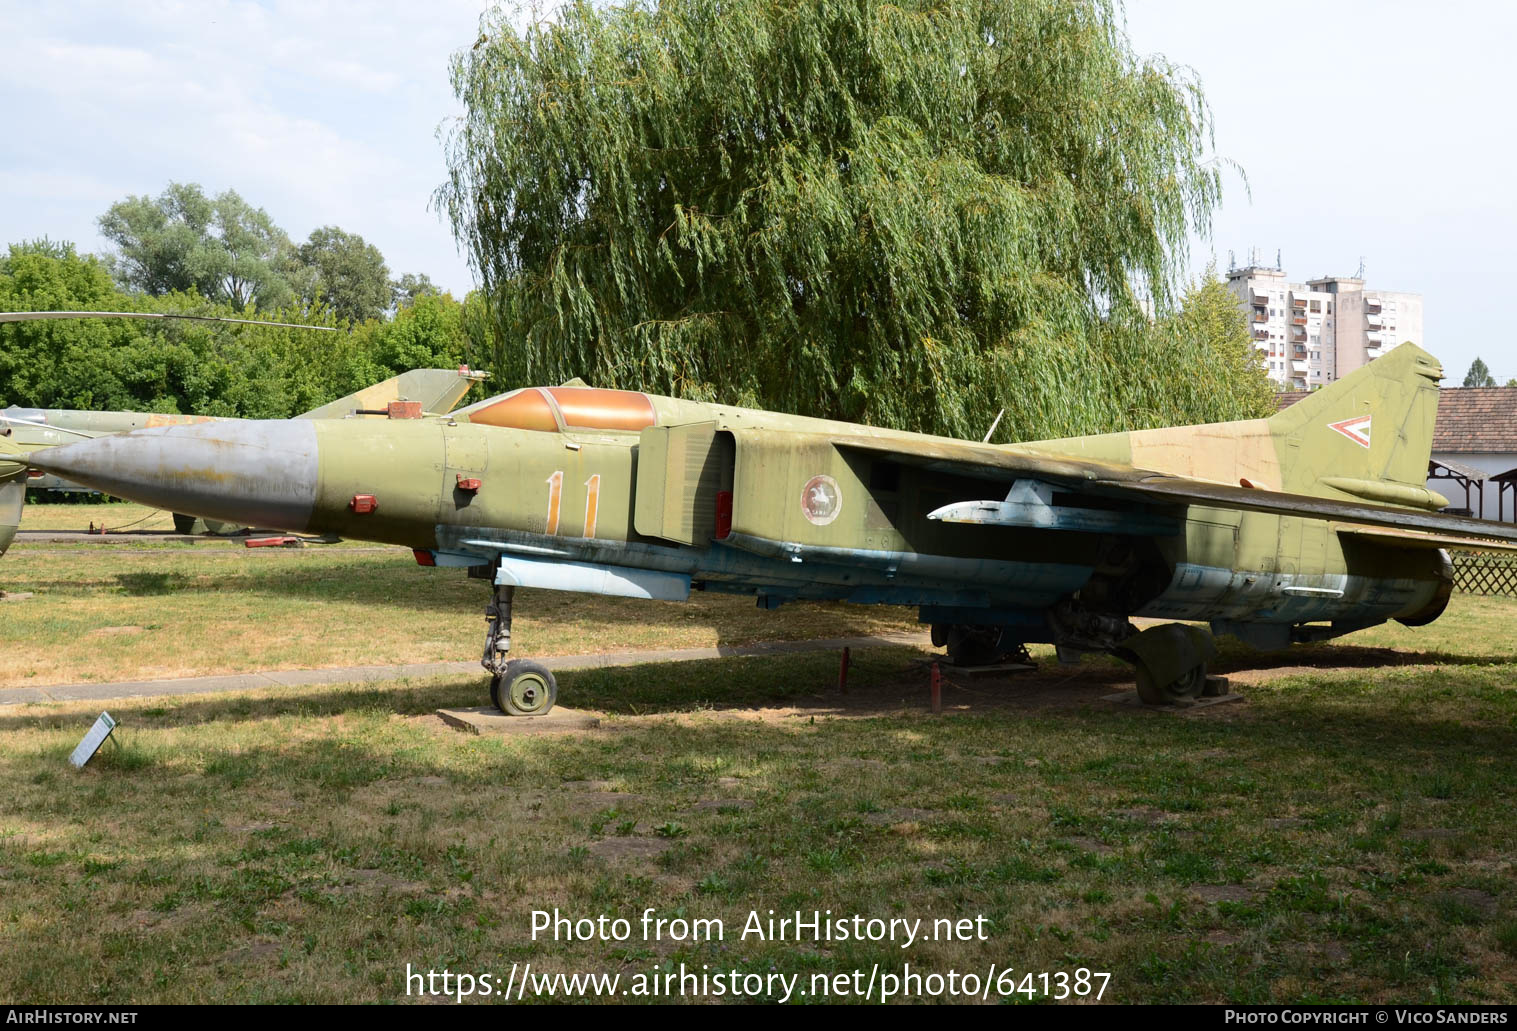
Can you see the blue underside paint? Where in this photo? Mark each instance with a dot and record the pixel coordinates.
(945, 589)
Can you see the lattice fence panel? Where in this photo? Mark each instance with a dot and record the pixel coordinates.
(1485, 574)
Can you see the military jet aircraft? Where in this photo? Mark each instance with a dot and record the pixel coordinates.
(1301, 527)
(434, 390)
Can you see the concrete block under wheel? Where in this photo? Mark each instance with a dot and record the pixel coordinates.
(486, 719)
(977, 671)
(1130, 699)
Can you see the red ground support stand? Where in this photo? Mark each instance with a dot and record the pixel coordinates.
(937, 688)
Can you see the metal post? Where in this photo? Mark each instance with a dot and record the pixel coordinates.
(937, 689)
(843, 673)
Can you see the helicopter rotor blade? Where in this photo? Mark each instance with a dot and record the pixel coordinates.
(37, 316)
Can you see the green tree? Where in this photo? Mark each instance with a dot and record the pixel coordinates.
(909, 213)
(343, 270)
(1209, 321)
(222, 247)
(408, 289)
(1479, 375)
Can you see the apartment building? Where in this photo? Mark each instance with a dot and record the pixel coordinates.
(1310, 334)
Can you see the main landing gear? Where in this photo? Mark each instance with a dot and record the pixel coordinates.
(1170, 662)
(970, 646)
(518, 687)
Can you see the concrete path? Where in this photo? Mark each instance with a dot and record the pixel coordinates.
(363, 674)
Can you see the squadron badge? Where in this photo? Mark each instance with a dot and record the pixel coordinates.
(821, 500)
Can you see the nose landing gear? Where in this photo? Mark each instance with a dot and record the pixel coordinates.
(518, 687)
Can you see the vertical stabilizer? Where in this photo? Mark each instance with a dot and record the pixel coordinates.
(1374, 426)
(438, 390)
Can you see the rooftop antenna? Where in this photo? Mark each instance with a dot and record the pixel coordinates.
(1360, 274)
(1278, 266)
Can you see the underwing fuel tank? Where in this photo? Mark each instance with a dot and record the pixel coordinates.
(297, 475)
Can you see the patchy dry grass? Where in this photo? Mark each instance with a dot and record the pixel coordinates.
(125, 612)
(1340, 836)
(111, 514)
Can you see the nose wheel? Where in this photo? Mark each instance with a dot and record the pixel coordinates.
(524, 688)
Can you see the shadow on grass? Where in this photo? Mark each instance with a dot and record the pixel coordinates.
(1237, 658)
(885, 683)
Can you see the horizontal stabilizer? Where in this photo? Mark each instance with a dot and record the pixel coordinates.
(1411, 540)
(1196, 492)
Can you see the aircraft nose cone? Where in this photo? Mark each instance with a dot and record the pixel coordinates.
(257, 473)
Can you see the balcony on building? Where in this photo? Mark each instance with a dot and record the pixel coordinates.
(1260, 316)
(1298, 303)
(1371, 303)
(1298, 320)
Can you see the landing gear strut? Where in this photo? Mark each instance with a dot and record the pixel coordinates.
(518, 687)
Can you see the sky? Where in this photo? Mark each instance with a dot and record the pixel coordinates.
(320, 113)
(1380, 131)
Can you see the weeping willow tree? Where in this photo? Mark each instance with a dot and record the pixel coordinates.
(909, 214)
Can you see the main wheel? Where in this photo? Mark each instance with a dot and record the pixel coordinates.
(1188, 686)
(525, 689)
(973, 645)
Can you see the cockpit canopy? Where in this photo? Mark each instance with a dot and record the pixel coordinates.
(554, 409)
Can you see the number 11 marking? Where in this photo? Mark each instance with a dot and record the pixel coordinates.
(556, 497)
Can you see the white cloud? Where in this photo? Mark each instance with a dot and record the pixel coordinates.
(321, 113)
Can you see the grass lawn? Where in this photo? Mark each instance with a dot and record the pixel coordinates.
(104, 612)
(1344, 833)
(81, 515)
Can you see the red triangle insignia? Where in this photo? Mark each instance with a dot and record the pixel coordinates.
(1356, 429)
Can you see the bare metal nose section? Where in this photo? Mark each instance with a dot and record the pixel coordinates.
(257, 473)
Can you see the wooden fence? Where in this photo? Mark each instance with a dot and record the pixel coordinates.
(1485, 574)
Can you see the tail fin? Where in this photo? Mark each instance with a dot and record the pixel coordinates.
(1369, 435)
(438, 390)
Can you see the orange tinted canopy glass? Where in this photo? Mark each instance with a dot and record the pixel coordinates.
(592, 409)
(525, 409)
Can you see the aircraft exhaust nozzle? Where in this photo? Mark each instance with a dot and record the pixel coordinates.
(252, 472)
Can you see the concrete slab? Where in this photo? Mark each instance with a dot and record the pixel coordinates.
(1130, 700)
(487, 719)
(356, 674)
(26, 695)
(997, 669)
